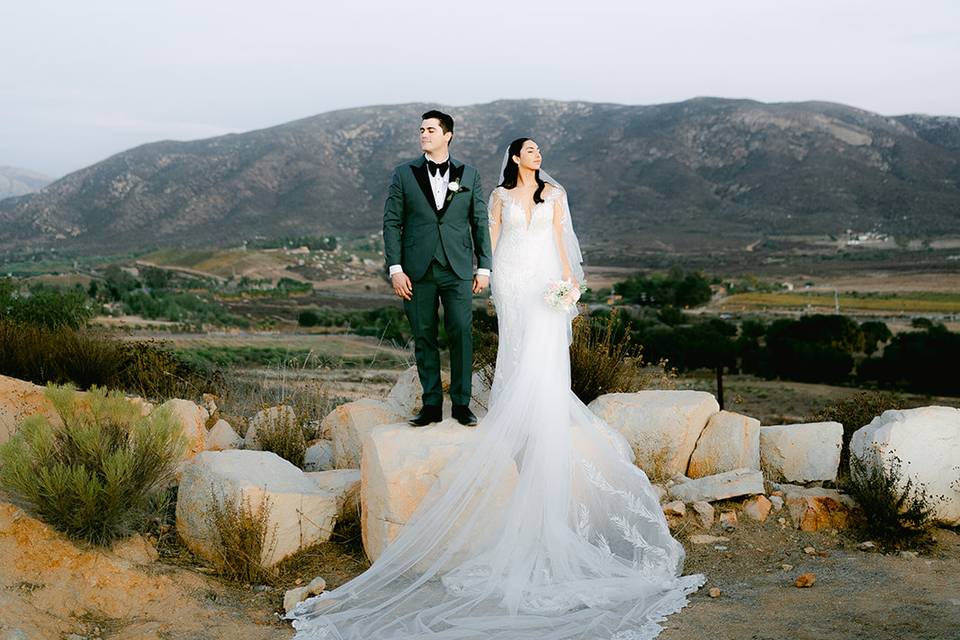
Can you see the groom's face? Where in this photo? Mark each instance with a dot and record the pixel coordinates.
(432, 136)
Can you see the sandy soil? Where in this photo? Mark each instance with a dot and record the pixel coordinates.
(49, 589)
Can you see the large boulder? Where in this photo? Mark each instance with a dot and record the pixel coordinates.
(806, 452)
(406, 391)
(344, 485)
(303, 507)
(662, 427)
(193, 424)
(19, 400)
(348, 423)
(926, 440)
(400, 464)
(729, 441)
(730, 484)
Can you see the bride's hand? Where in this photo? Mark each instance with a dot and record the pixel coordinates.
(569, 278)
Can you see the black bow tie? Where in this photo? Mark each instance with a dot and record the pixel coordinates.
(437, 166)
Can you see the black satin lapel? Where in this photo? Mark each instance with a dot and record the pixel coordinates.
(456, 173)
(420, 173)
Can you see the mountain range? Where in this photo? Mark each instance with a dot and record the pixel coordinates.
(705, 173)
(15, 181)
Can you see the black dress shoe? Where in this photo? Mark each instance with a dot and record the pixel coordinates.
(463, 415)
(429, 414)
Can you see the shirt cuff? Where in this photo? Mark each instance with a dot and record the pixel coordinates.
(395, 268)
(483, 272)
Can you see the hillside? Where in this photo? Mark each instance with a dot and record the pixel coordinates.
(704, 174)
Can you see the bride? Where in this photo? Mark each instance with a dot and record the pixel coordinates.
(543, 528)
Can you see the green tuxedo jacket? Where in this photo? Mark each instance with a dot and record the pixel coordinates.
(413, 226)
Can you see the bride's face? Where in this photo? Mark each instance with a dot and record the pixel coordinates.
(529, 157)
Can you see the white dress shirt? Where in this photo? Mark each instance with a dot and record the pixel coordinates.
(438, 183)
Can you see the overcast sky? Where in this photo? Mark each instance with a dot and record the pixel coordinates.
(83, 80)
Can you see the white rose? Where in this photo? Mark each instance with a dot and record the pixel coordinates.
(454, 186)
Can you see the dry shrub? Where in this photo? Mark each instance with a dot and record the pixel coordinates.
(242, 537)
(281, 433)
(897, 512)
(604, 359)
(855, 412)
(242, 394)
(99, 475)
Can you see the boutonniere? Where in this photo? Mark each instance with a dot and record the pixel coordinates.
(454, 187)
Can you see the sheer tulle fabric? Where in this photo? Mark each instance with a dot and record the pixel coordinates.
(543, 529)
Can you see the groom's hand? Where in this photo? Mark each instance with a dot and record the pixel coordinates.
(480, 283)
(402, 285)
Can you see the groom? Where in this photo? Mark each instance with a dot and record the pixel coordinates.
(434, 222)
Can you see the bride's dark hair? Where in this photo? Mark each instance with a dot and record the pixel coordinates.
(511, 172)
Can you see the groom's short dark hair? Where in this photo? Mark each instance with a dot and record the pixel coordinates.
(446, 121)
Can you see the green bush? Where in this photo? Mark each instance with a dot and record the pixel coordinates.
(386, 323)
(97, 475)
(309, 318)
(677, 288)
(87, 358)
(897, 512)
(44, 306)
(855, 412)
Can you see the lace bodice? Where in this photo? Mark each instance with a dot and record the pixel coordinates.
(514, 214)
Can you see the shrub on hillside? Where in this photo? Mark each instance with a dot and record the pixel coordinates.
(44, 306)
(97, 475)
(676, 288)
(85, 358)
(603, 358)
(241, 537)
(855, 412)
(897, 512)
(281, 433)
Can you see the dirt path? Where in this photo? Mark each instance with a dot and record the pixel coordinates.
(856, 595)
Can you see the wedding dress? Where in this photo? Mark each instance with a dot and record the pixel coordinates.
(543, 529)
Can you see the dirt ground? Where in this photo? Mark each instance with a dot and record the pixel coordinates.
(46, 589)
(857, 594)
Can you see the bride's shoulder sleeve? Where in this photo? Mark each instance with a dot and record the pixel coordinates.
(558, 197)
(495, 208)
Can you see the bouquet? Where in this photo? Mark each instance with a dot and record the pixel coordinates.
(562, 295)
